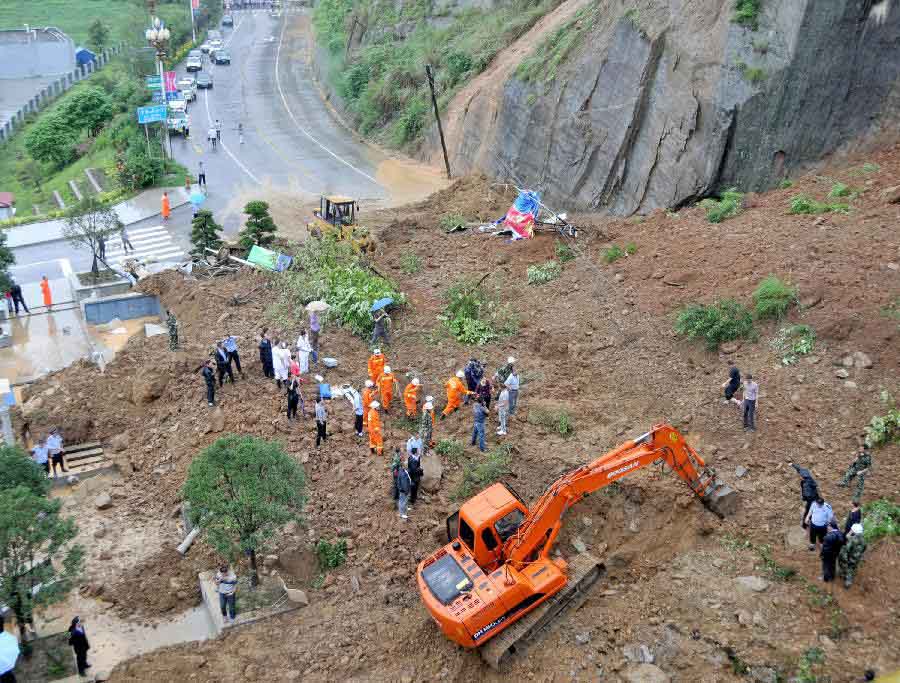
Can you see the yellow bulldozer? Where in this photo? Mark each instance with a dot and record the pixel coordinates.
(336, 217)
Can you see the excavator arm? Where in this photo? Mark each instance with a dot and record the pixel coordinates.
(536, 535)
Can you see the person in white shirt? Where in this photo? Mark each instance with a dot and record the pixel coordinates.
(304, 348)
(503, 411)
(281, 361)
(55, 449)
(751, 393)
(40, 455)
(512, 384)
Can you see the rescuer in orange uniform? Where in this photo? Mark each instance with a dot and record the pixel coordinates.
(376, 438)
(456, 391)
(411, 398)
(376, 365)
(386, 383)
(368, 395)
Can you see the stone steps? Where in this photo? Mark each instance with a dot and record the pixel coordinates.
(93, 180)
(59, 200)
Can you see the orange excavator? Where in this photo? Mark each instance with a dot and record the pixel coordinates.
(495, 585)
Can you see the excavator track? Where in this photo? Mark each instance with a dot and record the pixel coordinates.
(584, 571)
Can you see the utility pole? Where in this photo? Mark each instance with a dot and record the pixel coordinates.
(193, 29)
(429, 72)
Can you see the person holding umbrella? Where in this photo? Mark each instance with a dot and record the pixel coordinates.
(314, 308)
(197, 198)
(382, 320)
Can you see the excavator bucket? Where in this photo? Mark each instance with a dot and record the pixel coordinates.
(721, 499)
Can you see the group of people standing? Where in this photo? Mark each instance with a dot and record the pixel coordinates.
(16, 299)
(48, 452)
(747, 402)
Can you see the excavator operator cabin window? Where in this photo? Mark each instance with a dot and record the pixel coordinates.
(490, 541)
(507, 525)
(466, 534)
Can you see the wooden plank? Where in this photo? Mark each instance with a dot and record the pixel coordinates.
(77, 455)
(82, 464)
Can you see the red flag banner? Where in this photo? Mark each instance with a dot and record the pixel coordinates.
(195, 4)
(171, 79)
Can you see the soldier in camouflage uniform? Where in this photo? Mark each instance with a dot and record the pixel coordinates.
(172, 324)
(426, 425)
(858, 469)
(852, 554)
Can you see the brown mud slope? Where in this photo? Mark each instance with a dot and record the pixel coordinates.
(597, 342)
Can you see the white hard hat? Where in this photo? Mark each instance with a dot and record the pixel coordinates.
(376, 351)
(429, 405)
(856, 528)
(387, 369)
(460, 374)
(415, 381)
(429, 399)
(370, 383)
(510, 360)
(374, 404)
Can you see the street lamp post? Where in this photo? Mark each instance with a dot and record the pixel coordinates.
(158, 38)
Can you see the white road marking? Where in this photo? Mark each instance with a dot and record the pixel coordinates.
(297, 123)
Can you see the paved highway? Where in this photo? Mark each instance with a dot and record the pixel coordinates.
(293, 146)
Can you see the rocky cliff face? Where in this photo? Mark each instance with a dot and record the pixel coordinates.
(659, 106)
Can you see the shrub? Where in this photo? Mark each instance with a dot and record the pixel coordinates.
(474, 317)
(260, 228)
(728, 205)
(613, 254)
(842, 190)
(883, 429)
(481, 473)
(52, 140)
(411, 121)
(786, 183)
(754, 74)
(564, 252)
(746, 13)
(451, 449)
(558, 421)
(794, 341)
(773, 298)
(720, 322)
(541, 275)
(631, 249)
(410, 263)
(331, 555)
(803, 204)
(881, 518)
(205, 233)
(136, 169)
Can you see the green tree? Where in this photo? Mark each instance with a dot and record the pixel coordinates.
(136, 169)
(205, 233)
(98, 35)
(52, 139)
(241, 490)
(260, 228)
(36, 550)
(87, 109)
(17, 469)
(6, 260)
(91, 224)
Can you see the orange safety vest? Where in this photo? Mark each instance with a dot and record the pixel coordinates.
(368, 395)
(376, 366)
(374, 427)
(386, 384)
(411, 396)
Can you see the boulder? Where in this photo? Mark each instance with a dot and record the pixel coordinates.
(297, 596)
(101, 675)
(217, 420)
(119, 442)
(757, 584)
(645, 673)
(103, 501)
(433, 471)
(147, 386)
(861, 360)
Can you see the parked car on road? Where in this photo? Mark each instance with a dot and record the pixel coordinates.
(195, 53)
(214, 34)
(204, 81)
(177, 105)
(178, 122)
(215, 44)
(194, 64)
(188, 94)
(228, 20)
(222, 57)
(205, 48)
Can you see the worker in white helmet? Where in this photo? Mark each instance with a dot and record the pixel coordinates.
(411, 398)
(456, 391)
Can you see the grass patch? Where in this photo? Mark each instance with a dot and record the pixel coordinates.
(839, 190)
(613, 254)
(330, 270)
(542, 65)
(716, 324)
(474, 316)
(804, 204)
(728, 205)
(794, 341)
(564, 253)
(754, 74)
(451, 449)
(773, 298)
(452, 221)
(884, 429)
(809, 664)
(410, 263)
(779, 572)
(542, 274)
(383, 82)
(892, 310)
(331, 555)
(881, 519)
(746, 13)
(557, 421)
(631, 249)
(483, 471)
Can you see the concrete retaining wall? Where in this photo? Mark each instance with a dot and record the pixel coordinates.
(55, 89)
(123, 307)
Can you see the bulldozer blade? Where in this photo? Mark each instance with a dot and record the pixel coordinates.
(722, 499)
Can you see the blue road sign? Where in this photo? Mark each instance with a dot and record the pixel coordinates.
(151, 114)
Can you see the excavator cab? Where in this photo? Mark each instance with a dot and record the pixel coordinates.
(484, 523)
(336, 218)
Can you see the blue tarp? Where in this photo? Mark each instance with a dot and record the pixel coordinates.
(528, 202)
(84, 56)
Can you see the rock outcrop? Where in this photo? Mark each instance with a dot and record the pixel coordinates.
(671, 100)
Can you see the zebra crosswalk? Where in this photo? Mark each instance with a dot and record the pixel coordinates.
(149, 244)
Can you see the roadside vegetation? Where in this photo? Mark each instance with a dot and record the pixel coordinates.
(475, 316)
(728, 205)
(805, 204)
(773, 297)
(383, 82)
(542, 64)
(480, 473)
(884, 429)
(716, 323)
(746, 13)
